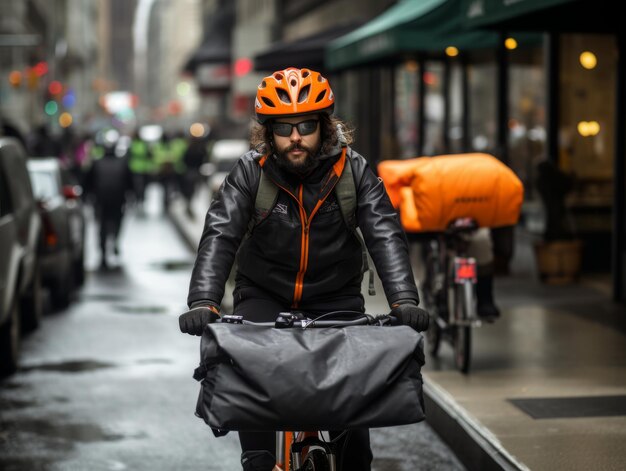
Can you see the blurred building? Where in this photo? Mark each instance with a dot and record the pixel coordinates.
(256, 27)
(22, 39)
(120, 18)
(142, 46)
(210, 62)
(77, 59)
(48, 56)
(115, 64)
(166, 33)
(181, 32)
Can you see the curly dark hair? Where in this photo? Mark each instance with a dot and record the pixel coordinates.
(261, 138)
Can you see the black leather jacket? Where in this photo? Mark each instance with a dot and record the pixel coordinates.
(295, 262)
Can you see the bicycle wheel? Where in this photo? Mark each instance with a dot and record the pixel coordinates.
(462, 348)
(464, 299)
(316, 460)
(433, 303)
(433, 336)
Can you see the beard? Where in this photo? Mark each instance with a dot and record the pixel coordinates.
(302, 167)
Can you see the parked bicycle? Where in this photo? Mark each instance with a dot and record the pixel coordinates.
(301, 396)
(449, 291)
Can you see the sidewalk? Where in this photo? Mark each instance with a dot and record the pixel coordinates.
(547, 386)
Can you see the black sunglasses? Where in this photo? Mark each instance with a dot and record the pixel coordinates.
(304, 128)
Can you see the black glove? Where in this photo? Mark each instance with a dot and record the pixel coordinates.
(195, 320)
(408, 313)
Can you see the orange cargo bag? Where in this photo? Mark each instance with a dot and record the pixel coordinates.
(447, 187)
(395, 175)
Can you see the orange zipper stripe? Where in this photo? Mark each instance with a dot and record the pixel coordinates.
(305, 252)
(304, 249)
(297, 290)
(306, 226)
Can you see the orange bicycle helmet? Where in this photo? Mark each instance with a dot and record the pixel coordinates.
(292, 92)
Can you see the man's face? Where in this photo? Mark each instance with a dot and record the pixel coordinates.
(297, 150)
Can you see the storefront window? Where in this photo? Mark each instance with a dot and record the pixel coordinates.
(347, 87)
(586, 139)
(482, 77)
(587, 114)
(406, 108)
(347, 90)
(527, 114)
(361, 114)
(434, 108)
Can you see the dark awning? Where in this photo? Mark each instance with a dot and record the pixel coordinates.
(408, 26)
(216, 52)
(303, 52)
(485, 12)
(542, 15)
(216, 43)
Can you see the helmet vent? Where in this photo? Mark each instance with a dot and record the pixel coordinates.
(304, 93)
(321, 96)
(283, 95)
(268, 102)
(294, 83)
(263, 84)
(278, 76)
(305, 73)
(320, 78)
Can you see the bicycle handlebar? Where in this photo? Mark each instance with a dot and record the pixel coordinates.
(286, 320)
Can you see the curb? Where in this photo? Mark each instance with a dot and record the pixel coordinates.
(473, 444)
(179, 223)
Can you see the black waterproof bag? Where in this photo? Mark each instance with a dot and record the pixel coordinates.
(265, 379)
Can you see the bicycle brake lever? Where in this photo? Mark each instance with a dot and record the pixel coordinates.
(283, 322)
(286, 320)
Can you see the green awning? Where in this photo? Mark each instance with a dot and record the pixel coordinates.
(490, 12)
(408, 26)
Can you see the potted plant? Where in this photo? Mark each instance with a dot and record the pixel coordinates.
(559, 253)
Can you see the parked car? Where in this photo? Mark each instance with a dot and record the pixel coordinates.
(61, 245)
(21, 304)
(223, 157)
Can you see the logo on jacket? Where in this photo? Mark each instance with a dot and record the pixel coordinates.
(280, 208)
(329, 207)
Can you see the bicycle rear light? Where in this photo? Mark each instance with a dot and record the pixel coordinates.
(464, 269)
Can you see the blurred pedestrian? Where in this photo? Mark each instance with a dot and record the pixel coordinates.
(553, 186)
(141, 165)
(168, 157)
(109, 180)
(42, 144)
(194, 157)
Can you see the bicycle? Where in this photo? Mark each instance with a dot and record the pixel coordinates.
(310, 450)
(449, 291)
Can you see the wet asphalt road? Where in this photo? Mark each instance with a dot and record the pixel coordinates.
(106, 384)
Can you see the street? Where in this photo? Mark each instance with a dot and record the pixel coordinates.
(107, 384)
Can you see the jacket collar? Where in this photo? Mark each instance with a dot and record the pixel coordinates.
(291, 181)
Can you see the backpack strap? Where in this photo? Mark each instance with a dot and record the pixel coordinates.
(345, 190)
(266, 197)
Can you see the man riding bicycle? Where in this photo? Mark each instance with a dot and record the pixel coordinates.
(301, 253)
